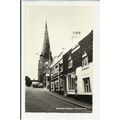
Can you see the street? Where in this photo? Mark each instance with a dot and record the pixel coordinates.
(37, 100)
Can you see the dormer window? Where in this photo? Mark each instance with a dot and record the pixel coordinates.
(70, 62)
(84, 59)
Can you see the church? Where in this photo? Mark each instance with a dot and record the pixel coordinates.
(45, 60)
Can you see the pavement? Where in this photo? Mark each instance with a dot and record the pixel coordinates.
(69, 99)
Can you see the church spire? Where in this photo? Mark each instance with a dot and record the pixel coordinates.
(46, 52)
(45, 58)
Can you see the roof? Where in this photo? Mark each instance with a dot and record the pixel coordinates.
(57, 59)
(83, 41)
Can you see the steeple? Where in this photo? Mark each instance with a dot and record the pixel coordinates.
(46, 44)
(45, 58)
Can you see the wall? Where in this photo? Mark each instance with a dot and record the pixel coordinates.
(83, 74)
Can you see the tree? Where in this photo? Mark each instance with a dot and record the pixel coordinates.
(28, 82)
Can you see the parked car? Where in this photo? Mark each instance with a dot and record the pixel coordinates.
(37, 85)
(34, 84)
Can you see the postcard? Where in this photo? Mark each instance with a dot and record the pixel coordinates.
(59, 59)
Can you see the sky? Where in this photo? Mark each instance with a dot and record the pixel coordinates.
(62, 21)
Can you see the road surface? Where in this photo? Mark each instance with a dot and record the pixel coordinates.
(37, 100)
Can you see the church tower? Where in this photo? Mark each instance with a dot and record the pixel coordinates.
(45, 58)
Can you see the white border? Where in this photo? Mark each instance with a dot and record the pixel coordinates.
(66, 116)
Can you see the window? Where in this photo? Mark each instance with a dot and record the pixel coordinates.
(52, 86)
(52, 71)
(56, 69)
(70, 62)
(61, 83)
(61, 67)
(87, 84)
(71, 83)
(84, 59)
(56, 84)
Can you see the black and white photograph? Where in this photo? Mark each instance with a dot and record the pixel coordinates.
(59, 60)
(58, 57)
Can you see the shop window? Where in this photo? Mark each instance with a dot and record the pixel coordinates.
(71, 83)
(87, 84)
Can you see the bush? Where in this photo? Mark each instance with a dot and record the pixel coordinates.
(28, 82)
